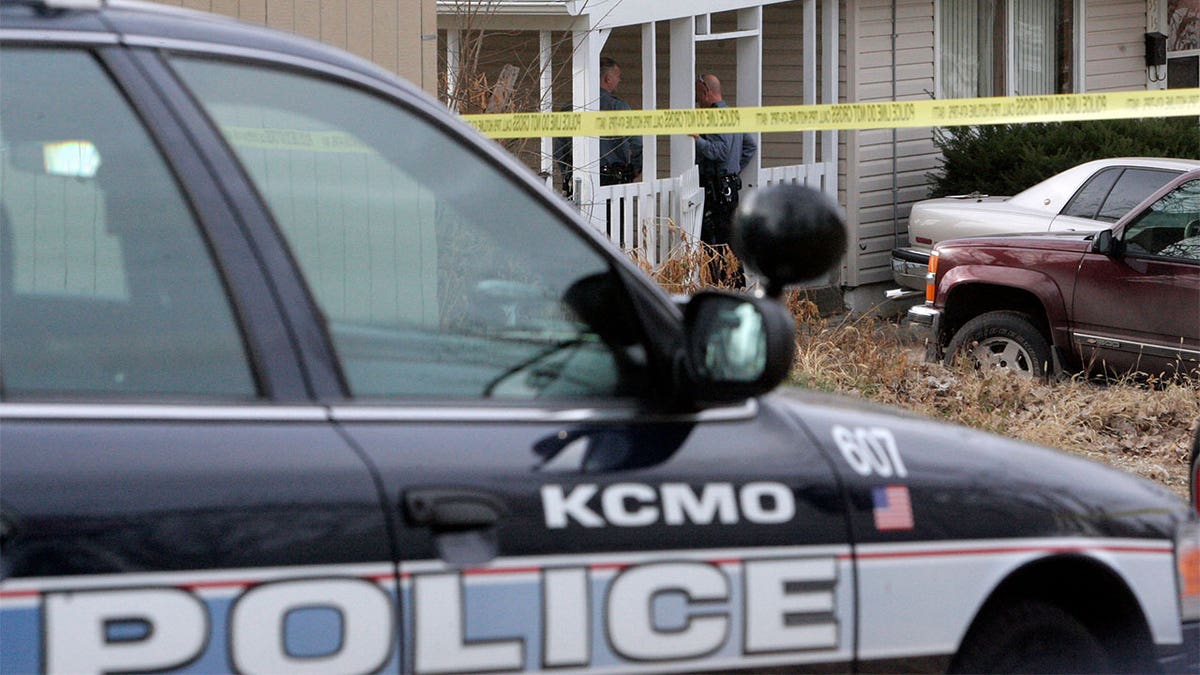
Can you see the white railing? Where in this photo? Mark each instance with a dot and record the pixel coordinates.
(649, 218)
(821, 176)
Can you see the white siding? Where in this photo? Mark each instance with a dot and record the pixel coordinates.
(783, 77)
(1115, 49)
(387, 32)
(885, 170)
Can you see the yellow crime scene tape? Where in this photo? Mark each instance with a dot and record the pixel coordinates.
(827, 117)
(767, 119)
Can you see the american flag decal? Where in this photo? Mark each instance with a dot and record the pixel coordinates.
(893, 508)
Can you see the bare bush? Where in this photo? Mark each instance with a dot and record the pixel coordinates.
(1144, 428)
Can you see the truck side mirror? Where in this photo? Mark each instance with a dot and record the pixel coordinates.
(788, 234)
(1105, 244)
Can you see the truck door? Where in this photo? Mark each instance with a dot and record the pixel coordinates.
(1156, 326)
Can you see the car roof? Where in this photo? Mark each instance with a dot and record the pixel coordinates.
(1048, 195)
(1150, 162)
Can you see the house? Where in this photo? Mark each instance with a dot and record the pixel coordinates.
(543, 55)
(399, 35)
(779, 53)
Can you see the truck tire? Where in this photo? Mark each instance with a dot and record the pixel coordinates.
(1002, 339)
(1030, 636)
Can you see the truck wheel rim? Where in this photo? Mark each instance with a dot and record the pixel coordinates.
(1003, 353)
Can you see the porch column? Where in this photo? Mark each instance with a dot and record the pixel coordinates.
(546, 100)
(829, 92)
(810, 75)
(585, 95)
(683, 73)
(453, 65)
(649, 98)
(749, 77)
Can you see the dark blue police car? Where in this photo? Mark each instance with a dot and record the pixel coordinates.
(300, 374)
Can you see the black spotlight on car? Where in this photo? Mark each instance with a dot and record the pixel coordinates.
(788, 234)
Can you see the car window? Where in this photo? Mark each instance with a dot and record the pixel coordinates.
(1170, 227)
(106, 284)
(1087, 201)
(436, 273)
(1114, 191)
(1131, 188)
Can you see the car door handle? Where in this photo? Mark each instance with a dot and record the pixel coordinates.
(8, 529)
(453, 508)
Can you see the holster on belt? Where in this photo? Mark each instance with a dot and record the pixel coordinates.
(616, 172)
(722, 190)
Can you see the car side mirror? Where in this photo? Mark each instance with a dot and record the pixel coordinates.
(788, 234)
(738, 346)
(1105, 243)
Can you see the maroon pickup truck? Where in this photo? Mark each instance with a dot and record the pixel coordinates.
(1124, 299)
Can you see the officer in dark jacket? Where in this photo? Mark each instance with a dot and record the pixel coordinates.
(620, 156)
(721, 158)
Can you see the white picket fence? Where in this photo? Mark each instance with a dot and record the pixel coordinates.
(651, 218)
(820, 176)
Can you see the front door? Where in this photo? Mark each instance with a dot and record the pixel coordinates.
(499, 366)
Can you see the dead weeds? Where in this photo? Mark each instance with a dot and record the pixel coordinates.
(1144, 429)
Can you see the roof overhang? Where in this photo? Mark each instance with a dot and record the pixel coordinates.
(584, 14)
(507, 15)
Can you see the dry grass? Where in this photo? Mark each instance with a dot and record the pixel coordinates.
(1143, 429)
(691, 265)
(1146, 430)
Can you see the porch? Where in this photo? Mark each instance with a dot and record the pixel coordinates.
(649, 218)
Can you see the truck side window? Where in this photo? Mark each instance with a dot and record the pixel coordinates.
(107, 286)
(1170, 227)
(438, 275)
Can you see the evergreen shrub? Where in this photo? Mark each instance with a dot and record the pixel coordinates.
(1004, 159)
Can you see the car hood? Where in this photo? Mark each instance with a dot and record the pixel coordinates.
(1042, 241)
(967, 484)
(935, 220)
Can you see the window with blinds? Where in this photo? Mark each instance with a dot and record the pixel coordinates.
(1002, 47)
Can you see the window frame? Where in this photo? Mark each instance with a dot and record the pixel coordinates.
(393, 317)
(1067, 50)
(1183, 65)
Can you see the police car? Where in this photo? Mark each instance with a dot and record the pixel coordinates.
(300, 374)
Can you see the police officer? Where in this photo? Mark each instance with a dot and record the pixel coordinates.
(620, 156)
(721, 158)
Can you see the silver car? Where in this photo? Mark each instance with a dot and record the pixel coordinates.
(1084, 198)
